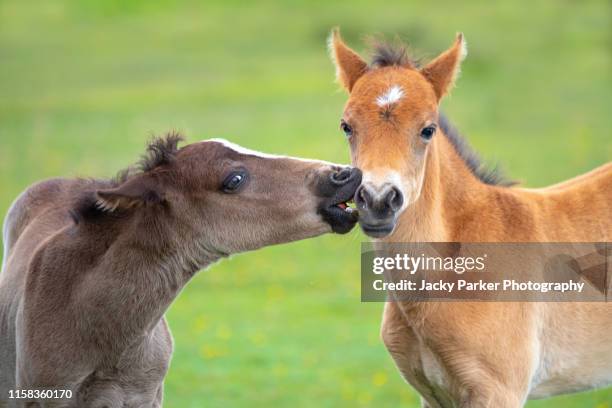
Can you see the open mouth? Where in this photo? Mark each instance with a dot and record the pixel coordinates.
(341, 216)
(347, 206)
(336, 207)
(340, 212)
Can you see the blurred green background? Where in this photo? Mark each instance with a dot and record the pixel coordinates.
(84, 84)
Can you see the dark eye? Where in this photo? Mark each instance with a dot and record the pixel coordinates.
(233, 182)
(348, 131)
(428, 132)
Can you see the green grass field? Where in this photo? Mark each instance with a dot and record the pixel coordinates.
(84, 84)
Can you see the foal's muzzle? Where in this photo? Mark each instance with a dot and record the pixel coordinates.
(378, 207)
(337, 188)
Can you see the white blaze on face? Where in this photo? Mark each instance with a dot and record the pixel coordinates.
(390, 97)
(249, 152)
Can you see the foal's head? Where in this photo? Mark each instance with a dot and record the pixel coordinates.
(224, 199)
(389, 120)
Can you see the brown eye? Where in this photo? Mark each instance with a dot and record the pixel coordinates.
(428, 132)
(345, 127)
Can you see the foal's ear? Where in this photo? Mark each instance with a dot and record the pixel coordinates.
(139, 191)
(349, 65)
(443, 70)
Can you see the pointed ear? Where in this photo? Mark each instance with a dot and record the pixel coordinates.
(349, 65)
(443, 70)
(139, 191)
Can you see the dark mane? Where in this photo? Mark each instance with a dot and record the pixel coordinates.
(387, 54)
(488, 175)
(160, 151)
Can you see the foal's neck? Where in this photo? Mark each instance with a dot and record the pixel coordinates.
(450, 195)
(140, 276)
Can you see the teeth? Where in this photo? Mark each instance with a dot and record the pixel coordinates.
(349, 210)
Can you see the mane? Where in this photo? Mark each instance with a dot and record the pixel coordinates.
(388, 54)
(160, 151)
(491, 175)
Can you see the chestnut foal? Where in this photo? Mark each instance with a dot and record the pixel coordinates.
(91, 266)
(422, 183)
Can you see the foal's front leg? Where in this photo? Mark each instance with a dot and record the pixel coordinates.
(487, 351)
(403, 346)
(484, 365)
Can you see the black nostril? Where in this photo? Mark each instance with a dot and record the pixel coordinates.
(361, 198)
(394, 199)
(340, 177)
